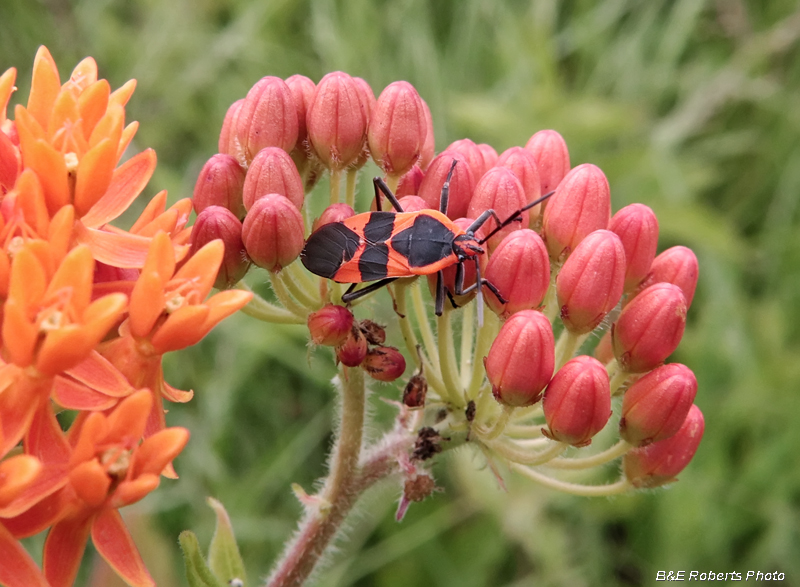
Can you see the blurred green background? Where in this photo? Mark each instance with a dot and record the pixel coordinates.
(689, 106)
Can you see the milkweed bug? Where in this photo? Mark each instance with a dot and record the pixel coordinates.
(385, 246)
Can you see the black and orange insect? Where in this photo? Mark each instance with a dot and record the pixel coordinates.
(384, 246)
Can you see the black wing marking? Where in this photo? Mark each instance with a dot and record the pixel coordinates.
(329, 247)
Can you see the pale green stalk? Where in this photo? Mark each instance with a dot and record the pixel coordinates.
(611, 453)
(261, 309)
(620, 486)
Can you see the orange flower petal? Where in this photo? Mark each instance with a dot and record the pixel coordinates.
(74, 275)
(16, 475)
(90, 482)
(18, 568)
(224, 304)
(122, 94)
(95, 428)
(103, 313)
(156, 206)
(110, 126)
(119, 250)
(6, 89)
(92, 104)
(73, 395)
(28, 128)
(85, 73)
(182, 328)
(37, 513)
(184, 209)
(95, 171)
(63, 549)
(162, 223)
(129, 418)
(10, 162)
(30, 198)
(5, 274)
(64, 112)
(99, 374)
(59, 234)
(18, 404)
(127, 183)
(161, 257)
(28, 281)
(64, 348)
(19, 334)
(127, 136)
(157, 451)
(202, 267)
(147, 303)
(52, 171)
(114, 543)
(44, 438)
(175, 395)
(130, 492)
(45, 86)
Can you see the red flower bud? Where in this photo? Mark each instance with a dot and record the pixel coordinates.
(429, 148)
(656, 406)
(273, 232)
(677, 265)
(637, 227)
(577, 403)
(220, 183)
(333, 213)
(659, 463)
(273, 172)
(604, 352)
(228, 141)
(268, 118)
(462, 184)
(337, 121)
(473, 155)
(552, 158)
(521, 359)
(500, 190)
(522, 163)
(302, 89)
(410, 182)
(216, 222)
(384, 363)
(649, 328)
(397, 129)
(589, 284)
(520, 269)
(353, 350)
(449, 273)
(489, 155)
(331, 325)
(581, 205)
(367, 97)
(413, 204)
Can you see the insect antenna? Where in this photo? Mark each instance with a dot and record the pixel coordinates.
(514, 216)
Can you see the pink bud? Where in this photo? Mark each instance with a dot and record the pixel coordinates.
(331, 325)
(333, 213)
(637, 227)
(397, 129)
(268, 118)
(520, 269)
(429, 148)
(473, 154)
(449, 273)
(302, 89)
(552, 158)
(220, 183)
(273, 172)
(656, 406)
(604, 352)
(659, 463)
(410, 182)
(581, 205)
(589, 284)
(368, 102)
(649, 328)
(216, 222)
(677, 265)
(228, 141)
(522, 163)
(337, 121)
(521, 359)
(461, 184)
(577, 403)
(384, 363)
(500, 190)
(413, 204)
(273, 232)
(489, 155)
(353, 350)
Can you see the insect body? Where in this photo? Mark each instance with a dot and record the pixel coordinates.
(381, 247)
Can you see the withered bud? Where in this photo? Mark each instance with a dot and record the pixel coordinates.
(384, 363)
(373, 331)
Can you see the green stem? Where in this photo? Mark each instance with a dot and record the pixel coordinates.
(350, 189)
(617, 377)
(551, 298)
(425, 329)
(601, 458)
(392, 181)
(261, 309)
(287, 277)
(467, 334)
(499, 424)
(620, 486)
(566, 346)
(486, 335)
(447, 359)
(335, 186)
(285, 298)
(516, 454)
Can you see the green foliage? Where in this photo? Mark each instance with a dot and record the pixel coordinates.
(688, 106)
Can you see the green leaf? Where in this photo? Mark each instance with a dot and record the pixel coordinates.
(223, 555)
(197, 572)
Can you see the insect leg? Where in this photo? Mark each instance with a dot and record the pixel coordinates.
(439, 307)
(510, 219)
(443, 199)
(351, 295)
(380, 186)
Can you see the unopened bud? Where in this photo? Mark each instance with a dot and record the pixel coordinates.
(216, 222)
(656, 405)
(368, 102)
(337, 121)
(649, 328)
(268, 117)
(500, 190)
(577, 402)
(462, 184)
(489, 154)
(581, 205)
(330, 325)
(589, 284)
(428, 151)
(520, 269)
(604, 352)
(552, 158)
(522, 163)
(637, 227)
(302, 89)
(413, 204)
(353, 350)
(659, 463)
(333, 213)
(374, 332)
(273, 172)
(410, 182)
(415, 391)
(384, 363)
(273, 232)
(473, 155)
(521, 359)
(220, 183)
(228, 140)
(676, 265)
(397, 129)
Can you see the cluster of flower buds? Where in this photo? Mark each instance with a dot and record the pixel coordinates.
(88, 310)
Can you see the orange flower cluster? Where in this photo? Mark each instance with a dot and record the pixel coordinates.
(86, 311)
